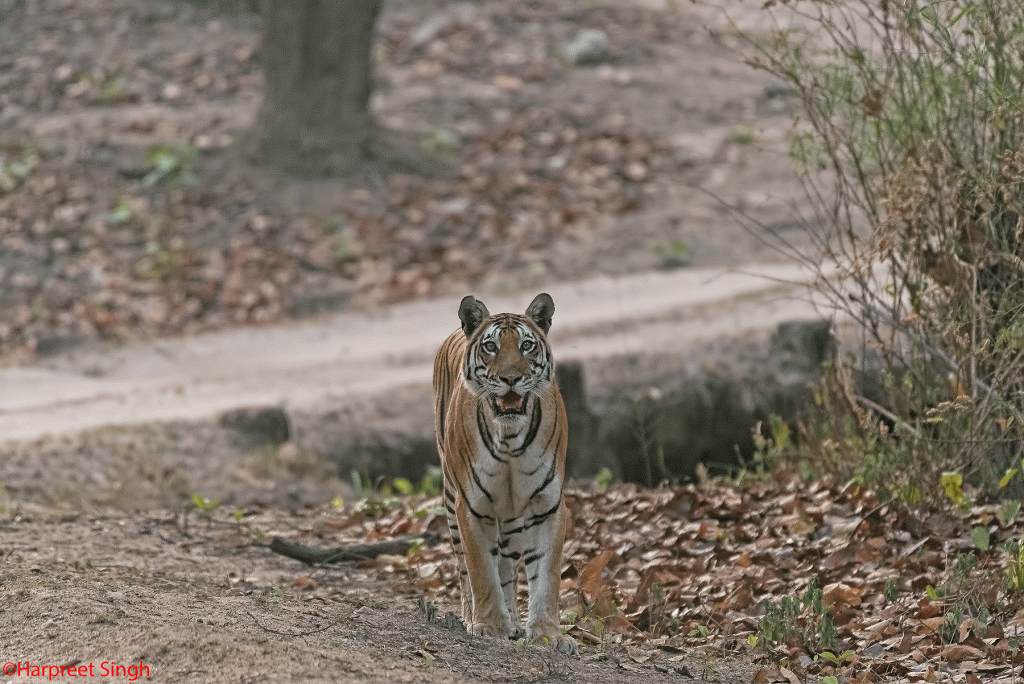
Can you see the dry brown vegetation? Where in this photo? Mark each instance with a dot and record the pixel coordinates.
(804, 579)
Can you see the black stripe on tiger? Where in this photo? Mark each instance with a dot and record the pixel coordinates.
(476, 514)
(541, 517)
(547, 480)
(531, 433)
(485, 434)
(479, 484)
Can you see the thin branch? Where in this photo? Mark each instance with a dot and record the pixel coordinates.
(311, 555)
(887, 414)
(334, 623)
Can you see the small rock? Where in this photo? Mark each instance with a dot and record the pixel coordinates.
(10, 113)
(315, 303)
(261, 424)
(430, 29)
(454, 206)
(803, 345)
(61, 344)
(588, 46)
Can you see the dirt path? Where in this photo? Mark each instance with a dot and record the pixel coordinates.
(355, 354)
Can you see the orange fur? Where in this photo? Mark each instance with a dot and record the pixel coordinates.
(502, 437)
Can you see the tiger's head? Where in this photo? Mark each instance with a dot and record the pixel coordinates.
(508, 360)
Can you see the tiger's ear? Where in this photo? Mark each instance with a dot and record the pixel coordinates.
(472, 313)
(541, 309)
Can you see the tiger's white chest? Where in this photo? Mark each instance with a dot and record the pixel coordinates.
(513, 478)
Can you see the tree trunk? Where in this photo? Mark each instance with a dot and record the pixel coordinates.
(315, 118)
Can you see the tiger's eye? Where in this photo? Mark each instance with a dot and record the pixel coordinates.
(490, 347)
(527, 346)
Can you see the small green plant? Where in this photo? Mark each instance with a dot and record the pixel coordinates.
(171, 166)
(890, 590)
(440, 140)
(980, 537)
(836, 660)
(952, 484)
(1013, 577)
(13, 172)
(772, 450)
(374, 501)
(375, 505)
(430, 482)
(1009, 512)
(971, 588)
(652, 451)
(343, 251)
(385, 497)
(658, 621)
(163, 261)
(114, 87)
(742, 135)
(950, 625)
(122, 213)
(797, 621)
(205, 506)
(674, 254)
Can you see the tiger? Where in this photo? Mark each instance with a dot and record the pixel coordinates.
(501, 436)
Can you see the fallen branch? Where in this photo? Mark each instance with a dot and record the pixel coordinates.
(311, 555)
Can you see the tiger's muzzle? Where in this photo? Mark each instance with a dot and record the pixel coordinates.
(509, 404)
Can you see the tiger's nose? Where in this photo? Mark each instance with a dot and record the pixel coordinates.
(510, 380)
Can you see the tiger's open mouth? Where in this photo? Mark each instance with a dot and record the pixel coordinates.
(509, 404)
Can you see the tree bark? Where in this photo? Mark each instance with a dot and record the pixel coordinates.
(316, 56)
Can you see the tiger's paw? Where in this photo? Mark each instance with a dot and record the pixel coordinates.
(567, 645)
(483, 629)
(563, 643)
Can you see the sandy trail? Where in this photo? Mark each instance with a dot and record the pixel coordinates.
(301, 364)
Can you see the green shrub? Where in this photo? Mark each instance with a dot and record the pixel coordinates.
(913, 118)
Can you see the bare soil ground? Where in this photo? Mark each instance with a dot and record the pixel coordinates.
(640, 161)
(198, 601)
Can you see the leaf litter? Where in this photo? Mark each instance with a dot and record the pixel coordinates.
(802, 579)
(109, 228)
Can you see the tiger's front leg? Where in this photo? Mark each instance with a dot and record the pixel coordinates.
(480, 543)
(542, 555)
(508, 573)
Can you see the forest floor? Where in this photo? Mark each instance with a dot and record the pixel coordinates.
(120, 221)
(123, 215)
